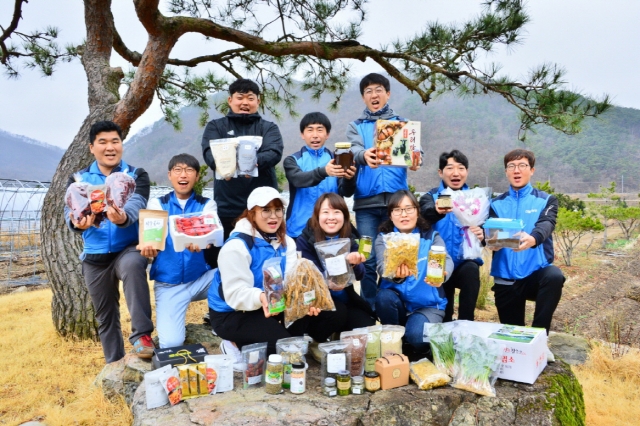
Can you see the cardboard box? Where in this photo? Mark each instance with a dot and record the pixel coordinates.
(525, 352)
(393, 370)
(187, 354)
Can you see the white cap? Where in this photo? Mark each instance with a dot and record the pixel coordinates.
(275, 358)
(438, 248)
(263, 196)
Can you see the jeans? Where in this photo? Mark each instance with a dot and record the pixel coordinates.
(172, 301)
(391, 310)
(368, 221)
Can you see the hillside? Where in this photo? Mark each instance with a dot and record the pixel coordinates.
(483, 127)
(27, 159)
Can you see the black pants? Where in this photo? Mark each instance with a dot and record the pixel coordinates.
(543, 286)
(211, 255)
(247, 327)
(466, 277)
(356, 316)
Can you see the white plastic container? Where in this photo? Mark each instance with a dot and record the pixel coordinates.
(206, 227)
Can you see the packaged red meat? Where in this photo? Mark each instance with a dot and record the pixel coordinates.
(120, 187)
(201, 229)
(76, 199)
(98, 198)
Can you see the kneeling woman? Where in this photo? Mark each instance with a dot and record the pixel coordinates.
(407, 300)
(238, 306)
(330, 220)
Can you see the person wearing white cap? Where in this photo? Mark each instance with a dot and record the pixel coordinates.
(238, 307)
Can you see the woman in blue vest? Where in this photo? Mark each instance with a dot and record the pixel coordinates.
(238, 306)
(330, 220)
(407, 300)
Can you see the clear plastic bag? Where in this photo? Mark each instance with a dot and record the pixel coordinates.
(476, 364)
(358, 338)
(77, 200)
(293, 351)
(391, 340)
(333, 255)
(471, 208)
(336, 356)
(248, 155)
(373, 347)
(120, 187)
(441, 338)
(224, 155)
(273, 284)
(426, 375)
(400, 248)
(255, 359)
(305, 288)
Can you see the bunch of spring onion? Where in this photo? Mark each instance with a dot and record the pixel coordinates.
(442, 347)
(476, 364)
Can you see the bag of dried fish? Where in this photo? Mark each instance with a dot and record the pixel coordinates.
(305, 288)
(400, 248)
(333, 255)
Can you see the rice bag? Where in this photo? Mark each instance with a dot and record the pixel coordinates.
(358, 338)
(248, 155)
(333, 255)
(254, 357)
(224, 156)
(426, 375)
(120, 187)
(305, 288)
(273, 284)
(400, 248)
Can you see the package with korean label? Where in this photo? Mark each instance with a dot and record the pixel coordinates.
(333, 255)
(397, 142)
(255, 358)
(336, 356)
(152, 228)
(225, 158)
(248, 147)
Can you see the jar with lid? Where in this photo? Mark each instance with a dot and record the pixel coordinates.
(273, 376)
(298, 378)
(371, 381)
(343, 155)
(344, 382)
(444, 201)
(365, 245)
(329, 389)
(357, 385)
(435, 266)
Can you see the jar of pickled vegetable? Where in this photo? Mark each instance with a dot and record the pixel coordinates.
(343, 155)
(344, 382)
(435, 266)
(365, 245)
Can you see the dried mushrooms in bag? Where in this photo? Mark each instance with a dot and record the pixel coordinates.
(336, 356)
(224, 155)
(333, 255)
(120, 187)
(273, 284)
(400, 248)
(426, 375)
(248, 155)
(358, 338)
(305, 288)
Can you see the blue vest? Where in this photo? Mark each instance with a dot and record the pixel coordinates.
(526, 204)
(416, 293)
(451, 231)
(173, 267)
(302, 200)
(371, 182)
(260, 251)
(108, 238)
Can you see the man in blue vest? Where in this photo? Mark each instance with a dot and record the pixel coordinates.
(109, 254)
(526, 273)
(180, 277)
(311, 172)
(453, 170)
(374, 185)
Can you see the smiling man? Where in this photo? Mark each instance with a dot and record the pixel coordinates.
(526, 273)
(453, 170)
(242, 120)
(180, 277)
(109, 254)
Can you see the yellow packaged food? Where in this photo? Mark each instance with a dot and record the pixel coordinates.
(426, 375)
(400, 249)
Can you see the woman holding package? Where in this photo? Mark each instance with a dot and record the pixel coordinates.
(238, 306)
(407, 300)
(330, 221)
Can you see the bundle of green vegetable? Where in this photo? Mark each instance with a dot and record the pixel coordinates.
(442, 347)
(476, 362)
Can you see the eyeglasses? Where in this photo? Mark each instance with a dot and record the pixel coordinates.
(398, 211)
(521, 166)
(266, 214)
(178, 170)
(377, 91)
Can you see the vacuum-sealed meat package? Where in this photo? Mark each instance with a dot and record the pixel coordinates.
(120, 187)
(77, 200)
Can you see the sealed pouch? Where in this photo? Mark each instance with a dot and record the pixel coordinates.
(293, 351)
(400, 248)
(152, 228)
(273, 284)
(391, 340)
(440, 336)
(171, 384)
(219, 373)
(155, 394)
(248, 155)
(76, 198)
(336, 356)
(476, 364)
(120, 187)
(193, 378)
(254, 357)
(358, 338)
(305, 287)
(224, 155)
(397, 143)
(426, 375)
(333, 255)
(373, 347)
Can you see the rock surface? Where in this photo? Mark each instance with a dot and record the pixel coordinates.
(555, 399)
(572, 349)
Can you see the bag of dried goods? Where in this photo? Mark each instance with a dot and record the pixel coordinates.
(391, 340)
(254, 357)
(293, 351)
(476, 364)
(224, 155)
(336, 356)
(426, 375)
(333, 255)
(399, 249)
(248, 155)
(373, 347)
(152, 228)
(171, 384)
(219, 373)
(358, 338)
(305, 288)
(273, 284)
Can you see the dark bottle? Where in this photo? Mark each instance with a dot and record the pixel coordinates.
(343, 155)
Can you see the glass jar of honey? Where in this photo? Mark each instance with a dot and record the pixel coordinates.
(343, 155)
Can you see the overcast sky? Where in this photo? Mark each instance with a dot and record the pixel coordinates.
(596, 41)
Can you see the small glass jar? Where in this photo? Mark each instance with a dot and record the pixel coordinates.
(371, 381)
(357, 385)
(343, 155)
(329, 389)
(365, 245)
(273, 377)
(436, 262)
(298, 378)
(444, 201)
(344, 382)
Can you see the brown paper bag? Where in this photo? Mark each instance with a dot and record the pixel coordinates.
(153, 227)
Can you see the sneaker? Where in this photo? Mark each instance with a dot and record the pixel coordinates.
(143, 347)
(228, 348)
(206, 320)
(550, 356)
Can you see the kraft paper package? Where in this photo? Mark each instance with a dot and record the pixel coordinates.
(152, 228)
